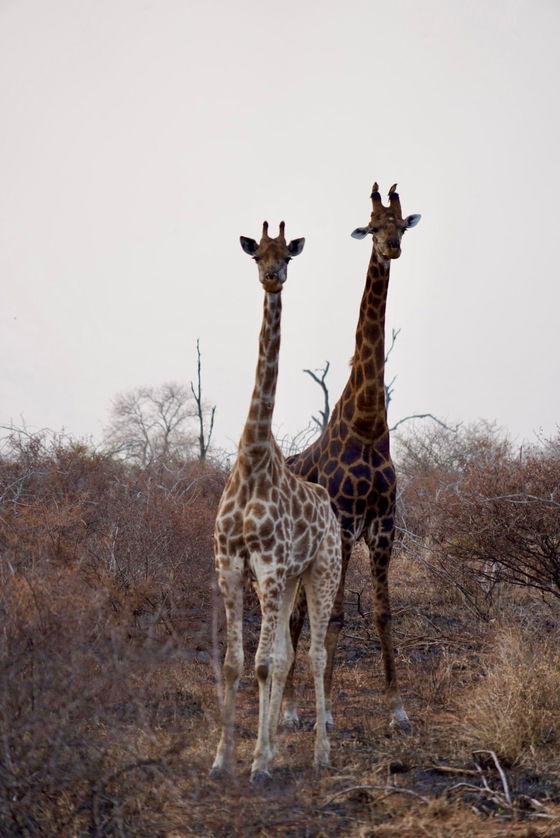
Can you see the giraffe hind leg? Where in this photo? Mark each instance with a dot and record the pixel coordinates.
(297, 620)
(335, 625)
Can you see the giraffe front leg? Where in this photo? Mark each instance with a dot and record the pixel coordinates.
(231, 586)
(380, 556)
(264, 663)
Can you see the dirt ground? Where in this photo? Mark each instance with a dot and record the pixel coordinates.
(380, 783)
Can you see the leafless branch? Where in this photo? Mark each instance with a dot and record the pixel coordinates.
(320, 380)
(394, 335)
(389, 387)
(422, 416)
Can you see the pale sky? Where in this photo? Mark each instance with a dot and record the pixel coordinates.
(140, 138)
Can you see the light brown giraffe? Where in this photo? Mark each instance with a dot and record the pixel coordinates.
(352, 459)
(279, 528)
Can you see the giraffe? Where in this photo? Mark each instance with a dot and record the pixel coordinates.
(352, 458)
(282, 530)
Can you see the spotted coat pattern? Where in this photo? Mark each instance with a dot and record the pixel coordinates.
(272, 525)
(352, 459)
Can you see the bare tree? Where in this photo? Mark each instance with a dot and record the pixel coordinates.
(151, 424)
(390, 386)
(203, 438)
(389, 389)
(319, 377)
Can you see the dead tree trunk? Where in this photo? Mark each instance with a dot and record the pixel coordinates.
(203, 439)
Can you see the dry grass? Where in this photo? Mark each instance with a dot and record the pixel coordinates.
(515, 707)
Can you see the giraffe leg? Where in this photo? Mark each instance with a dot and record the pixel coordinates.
(283, 654)
(264, 664)
(334, 628)
(231, 586)
(297, 620)
(320, 588)
(380, 555)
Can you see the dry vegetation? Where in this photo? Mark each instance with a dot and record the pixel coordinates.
(108, 707)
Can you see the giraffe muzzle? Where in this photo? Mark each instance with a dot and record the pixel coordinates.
(272, 283)
(393, 250)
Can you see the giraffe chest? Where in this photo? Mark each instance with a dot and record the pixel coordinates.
(282, 533)
(280, 528)
(360, 481)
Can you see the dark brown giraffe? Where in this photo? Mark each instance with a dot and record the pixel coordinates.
(278, 528)
(352, 459)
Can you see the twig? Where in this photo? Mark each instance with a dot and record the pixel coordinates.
(359, 608)
(501, 772)
(390, 789)
(502, 800)
(466, 786)
(450, 769)
(518, 497)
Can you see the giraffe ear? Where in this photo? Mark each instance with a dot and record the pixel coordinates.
(296, 246)
(411, 221)
(360, 232)
(249, 245)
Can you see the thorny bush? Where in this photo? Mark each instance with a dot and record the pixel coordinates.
(480, 513)
(104, 571)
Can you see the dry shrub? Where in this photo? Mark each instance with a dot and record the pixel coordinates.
(504, 523)
(151, 529)
(514, 710)
(105, 596)
(437, 685)
(479, 514)
(431, 459)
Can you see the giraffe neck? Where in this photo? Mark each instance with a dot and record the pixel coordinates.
(362, 404)
(257, 433)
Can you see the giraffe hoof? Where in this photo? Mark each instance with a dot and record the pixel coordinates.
(320, 768)
(401, 724)
(260, 778)
(292, 720)
(217, 773)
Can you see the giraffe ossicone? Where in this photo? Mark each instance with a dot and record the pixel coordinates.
(352, 459)
(282, 530)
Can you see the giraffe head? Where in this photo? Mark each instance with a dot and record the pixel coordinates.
(386, 224)
(272, 257)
